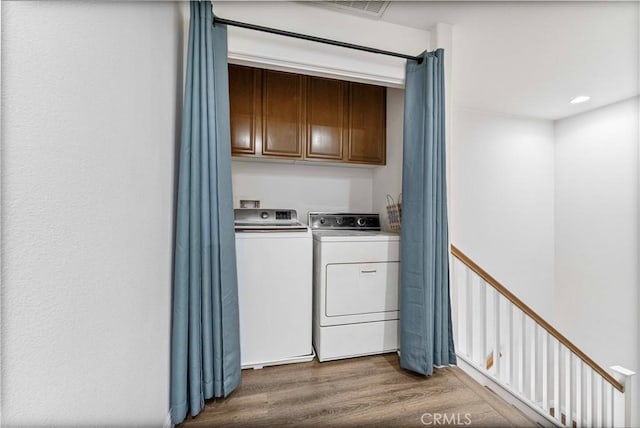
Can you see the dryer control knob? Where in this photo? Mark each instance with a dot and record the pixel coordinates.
(361, 221)
(264, 215)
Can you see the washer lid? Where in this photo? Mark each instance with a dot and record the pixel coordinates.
(354, 236)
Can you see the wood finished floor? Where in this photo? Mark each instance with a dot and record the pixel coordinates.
(367, 391)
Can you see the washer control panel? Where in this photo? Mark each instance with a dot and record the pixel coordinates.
(344, 221)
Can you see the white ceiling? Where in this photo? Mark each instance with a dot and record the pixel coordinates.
(531, 58)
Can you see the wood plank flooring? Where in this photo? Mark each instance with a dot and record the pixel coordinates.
(368, 391)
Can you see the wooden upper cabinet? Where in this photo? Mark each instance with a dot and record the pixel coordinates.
(326, 118)
(283, 114)
(367, 124)
(245, 105)
(292, 116)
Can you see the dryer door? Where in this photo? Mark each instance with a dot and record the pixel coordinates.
(360, 292)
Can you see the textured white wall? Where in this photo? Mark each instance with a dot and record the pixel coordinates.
(304, 187)
(89, 140)
(596, 246)
(502, 204)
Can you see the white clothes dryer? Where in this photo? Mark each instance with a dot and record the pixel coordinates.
(356, 271)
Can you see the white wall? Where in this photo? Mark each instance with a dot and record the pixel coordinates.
(387, 180)
(277, 52)
(597, 276)
(502, 208)
(89, 140)
(304, 187)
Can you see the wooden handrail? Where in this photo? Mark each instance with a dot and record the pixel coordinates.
(533, 315)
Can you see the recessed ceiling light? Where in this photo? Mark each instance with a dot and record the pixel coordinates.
(580, 99)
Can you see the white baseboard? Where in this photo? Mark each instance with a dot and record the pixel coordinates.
(504, 393)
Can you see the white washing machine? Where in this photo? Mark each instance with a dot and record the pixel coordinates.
(356, 270)
(274, 259)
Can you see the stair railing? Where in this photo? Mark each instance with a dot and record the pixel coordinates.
(506, 340)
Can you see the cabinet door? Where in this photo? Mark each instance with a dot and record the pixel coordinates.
(283, 107)
(245, 104)
(326, 120)
(367, 127)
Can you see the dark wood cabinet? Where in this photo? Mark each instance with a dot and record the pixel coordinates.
(245, 104)
(292, 116)
(326, 118)
(283, 114)
(367, 124)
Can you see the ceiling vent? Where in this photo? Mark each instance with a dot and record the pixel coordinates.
(371, 9)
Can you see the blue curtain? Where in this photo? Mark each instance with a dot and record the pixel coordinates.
(425, 319)
(205, 343)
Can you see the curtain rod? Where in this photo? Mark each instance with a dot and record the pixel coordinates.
(313, 38)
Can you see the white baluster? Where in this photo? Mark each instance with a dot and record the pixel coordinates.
(511, 348)
(469, 314)
(482, 334)
(599, 403)
(545, 370)
(455, 300)
(622, 400)
(567, 388)
(533, 338)
(556, 380)
(608, 405)
(496, 333)
(578, 392)
(588, 399)
(463, 309)
(521, 352)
